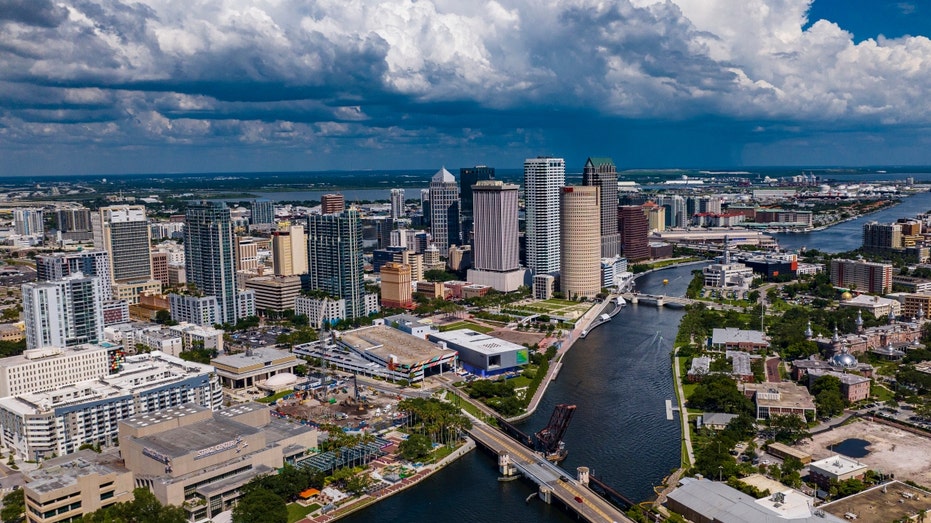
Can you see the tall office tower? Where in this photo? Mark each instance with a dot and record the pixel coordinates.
(634, 229)
(289, 251)
(496, 259)
(580, 252)
(334, 249)
(425, 205)
(209, 256)
(123, 231)
(64, 312)
(28, 222)
(73, 220)
(676, 215)
(332, 203)
(57, 265)
(383, 226)
(263, 212)
(396, 286)
(444, 210)
(397, 203)
(601, 173)
(469, 176)
(543, 178)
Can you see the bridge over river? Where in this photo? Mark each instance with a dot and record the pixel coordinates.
(553, 482)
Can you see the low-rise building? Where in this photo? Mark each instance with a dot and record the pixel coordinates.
(706, 501)
(274, 294)
(320, 310)
(409, 324)
(68, 487)
(199, 310)
(192, 457)
(247, 369)
(780, 399)
(738, 339)
(878, 306)
(835, 468)
(480, 353)
(853, 388)
(727, 276)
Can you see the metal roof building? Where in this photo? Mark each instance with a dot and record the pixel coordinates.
(704, 501)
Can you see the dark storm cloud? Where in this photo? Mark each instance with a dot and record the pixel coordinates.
(41, 13)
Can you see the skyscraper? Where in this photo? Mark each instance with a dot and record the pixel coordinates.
(444, 210)
(396, 286)
(676, 216)
(334, 248)
(63, 312)
(28, 222)
(209, 256)
(123, 231)
(332, 203)
(289, 251)
(634, 229)
(57, 265)
(543, 178)
(580, 253)
(397, 203)
(495, 253)
(263, 212)
(601, 173)
(469, 176)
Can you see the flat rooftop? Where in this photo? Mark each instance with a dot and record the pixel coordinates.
(837, 465)
(732, 335)
(184, 440)
(476, 341)
(64, 471)
(893, 501)
(161, 416)
(383, 342)
(781, 395)
(257, 356)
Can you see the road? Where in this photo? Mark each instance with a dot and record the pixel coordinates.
(592, 507)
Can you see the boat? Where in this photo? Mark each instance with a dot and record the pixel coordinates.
(605, 317)
(621, 302)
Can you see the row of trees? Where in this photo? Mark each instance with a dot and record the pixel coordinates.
(439, 421)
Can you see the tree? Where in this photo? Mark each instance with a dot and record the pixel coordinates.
(416, 446)
(14, 507)
(438, 275)
(260, 506)
(164, 317)
(788, 429)
(718, 393)
(358, 483)
(827, 392)
(144, 508)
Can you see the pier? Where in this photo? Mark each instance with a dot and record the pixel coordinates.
(551, 480)
(619, 303)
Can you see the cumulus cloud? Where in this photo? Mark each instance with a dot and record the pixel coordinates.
(280, 71)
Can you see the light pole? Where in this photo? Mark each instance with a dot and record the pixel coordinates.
(720, 472)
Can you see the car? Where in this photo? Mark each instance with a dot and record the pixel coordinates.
(563, 478)
(579, 499)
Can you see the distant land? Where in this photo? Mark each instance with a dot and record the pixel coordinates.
(245, 182)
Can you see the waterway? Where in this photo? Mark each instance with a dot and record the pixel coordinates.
(849, 235)
(619, 376)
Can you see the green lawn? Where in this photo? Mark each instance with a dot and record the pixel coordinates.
(298, 512)
(466, 325)
(275, 397)
(881, 393)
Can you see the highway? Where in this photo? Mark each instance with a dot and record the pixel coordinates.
(592, 508)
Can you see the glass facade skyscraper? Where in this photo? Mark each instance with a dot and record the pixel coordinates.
(209, 256)
(334, 254)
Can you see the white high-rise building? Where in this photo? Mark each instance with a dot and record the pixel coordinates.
(543, 178)
(28, 222)
(123, 231)
(444, 210)
(64, 312)
(397, 203)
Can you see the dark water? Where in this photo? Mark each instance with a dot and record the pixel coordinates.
(849, 235)
(853, 447)
(619, 377)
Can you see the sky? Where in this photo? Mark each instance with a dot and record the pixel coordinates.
(153, 86)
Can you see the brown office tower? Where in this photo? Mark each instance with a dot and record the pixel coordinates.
(580, 237)
(634, 229)
(332, 203)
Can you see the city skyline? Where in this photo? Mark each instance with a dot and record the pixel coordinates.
(107, 88)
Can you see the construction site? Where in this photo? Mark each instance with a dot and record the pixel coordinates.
(343, 401)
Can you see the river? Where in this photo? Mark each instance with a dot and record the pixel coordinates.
(619, 377)
(849, 235)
